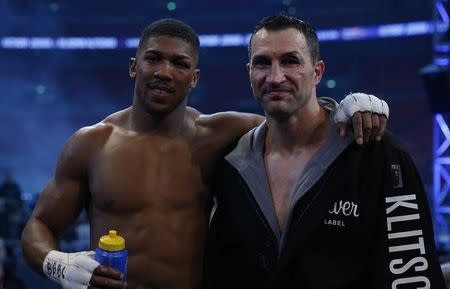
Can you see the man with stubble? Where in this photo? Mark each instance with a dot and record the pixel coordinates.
(301, 207)
(144, 171)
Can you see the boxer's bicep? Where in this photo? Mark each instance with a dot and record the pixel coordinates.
(60, 203)
(63, 198)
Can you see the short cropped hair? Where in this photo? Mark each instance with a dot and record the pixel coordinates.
(281, 22)
(171, 27)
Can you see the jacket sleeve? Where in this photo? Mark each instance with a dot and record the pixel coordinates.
(405, 255)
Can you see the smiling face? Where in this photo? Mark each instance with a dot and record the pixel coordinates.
(282, 74)
(165, 71)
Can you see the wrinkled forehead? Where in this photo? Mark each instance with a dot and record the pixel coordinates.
(278, 42)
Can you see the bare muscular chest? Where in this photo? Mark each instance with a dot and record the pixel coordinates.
(134, 173)
(283, 176)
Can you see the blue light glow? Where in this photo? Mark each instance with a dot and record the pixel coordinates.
(131, 42)
(15, 42)
(419, 28)
(442, 12)
(442, 27)
(444, 128)
(211, 40)
(217, 40)
(328, 35)
(442, 48)
(445, 210)
(441, 61)
(86, 43)
(232, 39)
(171, 6)
(392, 30)
(441, 178)
(355, 33)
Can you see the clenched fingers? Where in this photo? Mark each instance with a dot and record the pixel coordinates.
(357, 122)
(106, 277)
(382, 127)
(367, 126)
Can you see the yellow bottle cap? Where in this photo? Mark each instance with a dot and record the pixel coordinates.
(111, 242)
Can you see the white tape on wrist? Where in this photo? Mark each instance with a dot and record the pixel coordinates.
(70, 270)
(360, 102)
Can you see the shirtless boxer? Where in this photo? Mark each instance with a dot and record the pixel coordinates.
(144, 171)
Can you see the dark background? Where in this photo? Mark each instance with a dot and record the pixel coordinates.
(46, 95)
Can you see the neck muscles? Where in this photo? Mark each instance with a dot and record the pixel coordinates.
(166, 123)
(301, 130)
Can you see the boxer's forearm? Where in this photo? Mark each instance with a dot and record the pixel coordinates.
(37, 241)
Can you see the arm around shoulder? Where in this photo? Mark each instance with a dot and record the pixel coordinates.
(230, 125)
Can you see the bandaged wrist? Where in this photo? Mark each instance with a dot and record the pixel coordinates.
(360, 102)
(71, 270)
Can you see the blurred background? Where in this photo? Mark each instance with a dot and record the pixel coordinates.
(64, 65)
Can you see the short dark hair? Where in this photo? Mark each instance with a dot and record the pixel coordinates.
(283, 21)
(171, 27)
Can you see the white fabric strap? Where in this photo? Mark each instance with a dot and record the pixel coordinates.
(360, 102)
(70, 270)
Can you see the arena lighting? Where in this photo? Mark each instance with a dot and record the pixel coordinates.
(171, 6)
(217, 40)
(441, 61)
(436, 77)
(443, 13)
(440, 48)
(441, 178)
(40, 43)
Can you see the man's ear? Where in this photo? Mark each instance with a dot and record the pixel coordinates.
(195, 78)
(319, 69)
(132, 67)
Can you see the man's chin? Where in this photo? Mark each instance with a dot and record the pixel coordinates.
(158, 109)
(278, 112)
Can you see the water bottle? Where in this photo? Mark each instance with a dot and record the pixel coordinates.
(111, 252)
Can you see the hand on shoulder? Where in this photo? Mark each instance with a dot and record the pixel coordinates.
(368, 113)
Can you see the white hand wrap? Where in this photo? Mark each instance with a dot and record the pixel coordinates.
(360, 102)
(70, 270)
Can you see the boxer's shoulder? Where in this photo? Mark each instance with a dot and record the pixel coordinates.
(93, 135)
(117, 123)
(87, 140)
(117, 119)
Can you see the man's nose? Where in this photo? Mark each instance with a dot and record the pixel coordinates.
(163, 71)
(276, 74)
